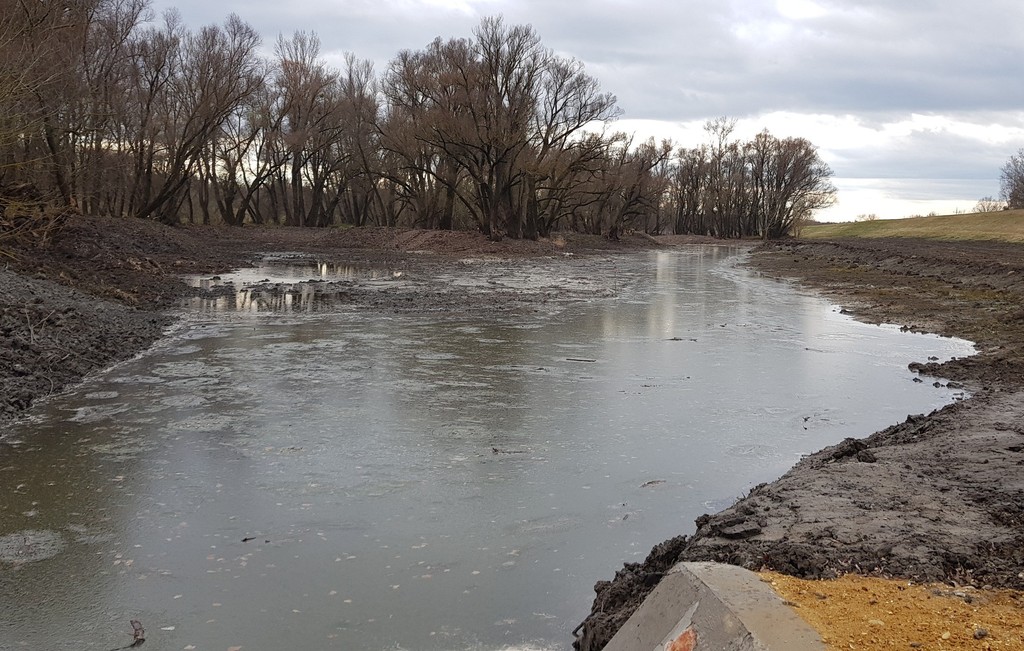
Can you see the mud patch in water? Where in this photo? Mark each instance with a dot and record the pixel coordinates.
(29, 546)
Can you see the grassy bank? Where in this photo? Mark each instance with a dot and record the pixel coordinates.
(1002, 226)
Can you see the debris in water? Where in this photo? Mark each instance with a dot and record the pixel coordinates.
(138, 633)
(503, 451)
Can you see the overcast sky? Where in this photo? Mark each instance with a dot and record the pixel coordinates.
(915, 104)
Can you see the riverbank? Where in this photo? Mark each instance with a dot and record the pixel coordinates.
(939, 497)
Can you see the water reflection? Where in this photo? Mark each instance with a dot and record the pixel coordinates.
(285, 285)
(378, 481)
(292, 270)
(303, 297)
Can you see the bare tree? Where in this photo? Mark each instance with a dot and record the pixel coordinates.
(310, 99)
(570, 101)
(96, 137)
(203, 78)
(103, 111)
(764, 187)
(988, 204)
(496, 125)
(426, 181)
(790, 181)
(690, 188)
(1011, 181)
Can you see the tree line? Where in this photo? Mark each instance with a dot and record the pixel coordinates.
(107, 112)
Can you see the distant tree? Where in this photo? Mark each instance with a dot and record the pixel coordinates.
(1012, 181)
(761, 188)
(988, 204)
(789, 181)
(867, 217)
(499, 128)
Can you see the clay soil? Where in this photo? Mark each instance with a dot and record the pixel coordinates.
(936, 498)
(872, 614)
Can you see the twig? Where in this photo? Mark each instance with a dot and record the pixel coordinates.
(31, 331)
(138, 636)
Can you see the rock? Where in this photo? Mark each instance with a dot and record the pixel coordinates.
(980, 633)
(739, 531)
(848, 448)
(866, 456)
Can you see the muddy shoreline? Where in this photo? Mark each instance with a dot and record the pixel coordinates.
(938, 497)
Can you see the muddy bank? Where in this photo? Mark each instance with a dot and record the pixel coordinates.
(938, 497)
(54, 335)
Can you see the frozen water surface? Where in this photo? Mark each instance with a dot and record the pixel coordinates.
(352, 480)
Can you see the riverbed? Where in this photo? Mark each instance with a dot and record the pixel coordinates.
(290, 470)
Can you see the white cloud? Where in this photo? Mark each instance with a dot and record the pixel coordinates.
(799, 9)
(889, 199)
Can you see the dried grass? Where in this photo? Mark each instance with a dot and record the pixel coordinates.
(1001, 226)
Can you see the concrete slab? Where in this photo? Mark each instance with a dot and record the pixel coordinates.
(714, 607)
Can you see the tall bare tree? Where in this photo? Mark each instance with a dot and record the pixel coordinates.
(789, 182)
(216, 70)
(1011, 181)
(106, 112)
(761, 188)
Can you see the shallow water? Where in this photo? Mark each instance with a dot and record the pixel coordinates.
(356, 480)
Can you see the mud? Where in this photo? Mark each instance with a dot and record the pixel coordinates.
(938, 497)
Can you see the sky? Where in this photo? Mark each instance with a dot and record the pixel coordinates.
(915, 104)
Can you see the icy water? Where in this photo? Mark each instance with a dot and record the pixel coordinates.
(348, 479)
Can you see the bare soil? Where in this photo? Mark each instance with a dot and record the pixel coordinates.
(938, 497)
(872, 614)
